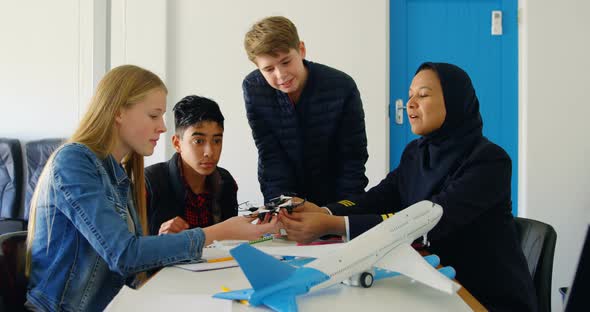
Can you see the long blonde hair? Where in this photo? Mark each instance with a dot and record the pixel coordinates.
(120, 88)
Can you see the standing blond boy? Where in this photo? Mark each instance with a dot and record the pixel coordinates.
(307, 119)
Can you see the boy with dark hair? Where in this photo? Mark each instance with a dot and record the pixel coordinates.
(307, 119)
(189, 190)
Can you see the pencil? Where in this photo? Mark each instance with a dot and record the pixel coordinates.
(260, 240)
(220, 259)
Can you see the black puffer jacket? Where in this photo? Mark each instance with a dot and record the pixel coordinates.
(316, 148)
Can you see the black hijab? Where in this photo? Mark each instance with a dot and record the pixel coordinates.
(439, 153)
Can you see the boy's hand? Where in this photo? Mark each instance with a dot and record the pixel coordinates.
(175, 225)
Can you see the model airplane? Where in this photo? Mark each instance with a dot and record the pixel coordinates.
(381, 251)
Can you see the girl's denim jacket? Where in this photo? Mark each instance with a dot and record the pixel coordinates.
(83, 251)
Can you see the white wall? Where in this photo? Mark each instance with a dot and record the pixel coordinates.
(139, 36)
(51, 57)
(554, 123)
(39, 68)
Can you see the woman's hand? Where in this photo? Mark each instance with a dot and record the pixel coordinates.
(309, 226)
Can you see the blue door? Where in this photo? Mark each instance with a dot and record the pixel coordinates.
(459, 32)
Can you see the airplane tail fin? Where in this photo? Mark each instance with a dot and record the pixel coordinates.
(261, 269)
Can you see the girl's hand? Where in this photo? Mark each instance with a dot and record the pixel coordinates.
(239, 228)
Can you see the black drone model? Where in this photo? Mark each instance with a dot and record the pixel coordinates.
(273, 206)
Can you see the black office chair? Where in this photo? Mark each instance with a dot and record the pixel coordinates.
(537, 240)
(11, 186)
(37, 154)
(13, 283)
(577, 295)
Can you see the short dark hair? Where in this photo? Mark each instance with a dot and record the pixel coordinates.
(194, 109)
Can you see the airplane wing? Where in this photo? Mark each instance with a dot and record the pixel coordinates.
(405, 260)
(312, 251)
(281, 303)
(243, 294)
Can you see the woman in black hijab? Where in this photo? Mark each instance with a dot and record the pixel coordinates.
(455, 166)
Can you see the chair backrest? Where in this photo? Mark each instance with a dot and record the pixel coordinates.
(577, 295)
(13, 283)
(38, 153)
(12, 225)
(537, 240)
(11, 178)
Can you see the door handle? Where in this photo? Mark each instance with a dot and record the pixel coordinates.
(399, 111)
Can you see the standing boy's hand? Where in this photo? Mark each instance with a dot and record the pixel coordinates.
(307, 206)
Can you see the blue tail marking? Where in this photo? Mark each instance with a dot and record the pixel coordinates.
(261, 269)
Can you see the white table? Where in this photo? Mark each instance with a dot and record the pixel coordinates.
(398, 293)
